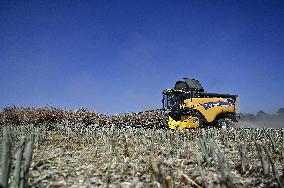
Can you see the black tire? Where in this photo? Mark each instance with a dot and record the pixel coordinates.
(224, 123)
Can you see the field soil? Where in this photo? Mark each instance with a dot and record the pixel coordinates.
(156, 158)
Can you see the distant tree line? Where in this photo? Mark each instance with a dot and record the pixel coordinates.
(261, 115)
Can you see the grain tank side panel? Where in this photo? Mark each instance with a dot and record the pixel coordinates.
(210, 108)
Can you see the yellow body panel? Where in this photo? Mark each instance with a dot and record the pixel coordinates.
(210, 113)
(209, 107)
(186, 122)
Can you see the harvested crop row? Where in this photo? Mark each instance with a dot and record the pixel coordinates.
(132, 157)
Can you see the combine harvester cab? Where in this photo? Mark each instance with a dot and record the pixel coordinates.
(188, 106)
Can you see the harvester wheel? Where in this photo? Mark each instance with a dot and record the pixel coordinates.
(224, 123)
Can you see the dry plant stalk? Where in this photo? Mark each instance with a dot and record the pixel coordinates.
(224, 137)
(41, 155)
(204, 182)
(189, 181)
(5, 159)
(168, 181)
(225, 178)
(153, 141)
(19, 158)
(204, 149)
(273, 167)
(265, 167)
(243, 158)
(272, 141)
(157, 171)
(28, 152)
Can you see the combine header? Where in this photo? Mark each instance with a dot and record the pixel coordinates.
(188, 106)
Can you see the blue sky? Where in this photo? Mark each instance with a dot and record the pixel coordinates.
(117, 56)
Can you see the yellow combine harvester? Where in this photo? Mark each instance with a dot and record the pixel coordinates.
(188, 106)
